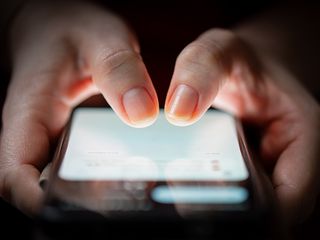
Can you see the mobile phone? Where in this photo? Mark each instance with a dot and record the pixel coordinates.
(164, 180)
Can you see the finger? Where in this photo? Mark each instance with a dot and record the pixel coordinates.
(24, 151)
(22, 189)
(295, 175)
(199, 71)
(120, 74)
(210, 65)
(290, 145)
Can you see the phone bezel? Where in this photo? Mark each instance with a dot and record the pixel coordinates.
(261, 190)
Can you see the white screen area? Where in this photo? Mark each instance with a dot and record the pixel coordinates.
(102, 147)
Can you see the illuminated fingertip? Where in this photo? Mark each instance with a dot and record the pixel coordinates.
(140, 107)
(178, 121)
(143, 123)
(182, 104)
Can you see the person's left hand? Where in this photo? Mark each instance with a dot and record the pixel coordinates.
(62, 53)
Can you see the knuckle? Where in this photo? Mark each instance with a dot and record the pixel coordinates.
(192, 53)
(218, 52)
(219, 33)
(203, 55)
(108, 63)
(224, 46)
(194, 59)
(194, 50)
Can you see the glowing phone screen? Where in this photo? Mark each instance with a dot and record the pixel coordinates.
(102, 147)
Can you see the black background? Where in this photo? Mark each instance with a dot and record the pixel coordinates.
(163, 30)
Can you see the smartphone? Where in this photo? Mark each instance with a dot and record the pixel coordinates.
(164, 180)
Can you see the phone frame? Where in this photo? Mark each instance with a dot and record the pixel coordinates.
(249, 223)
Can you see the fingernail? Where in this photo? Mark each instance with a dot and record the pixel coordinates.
(139, 107)
(182, 103)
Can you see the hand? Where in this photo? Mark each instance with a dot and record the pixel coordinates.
(63, 52)
(220, 69)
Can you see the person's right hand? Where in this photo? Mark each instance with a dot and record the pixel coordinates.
(64, 52)
(220, 68)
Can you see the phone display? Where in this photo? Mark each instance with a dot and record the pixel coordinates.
(160, 173)
(101, 147)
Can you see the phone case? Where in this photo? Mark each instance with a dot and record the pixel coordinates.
(58, 220)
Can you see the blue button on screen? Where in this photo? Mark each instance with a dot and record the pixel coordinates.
(200, 194)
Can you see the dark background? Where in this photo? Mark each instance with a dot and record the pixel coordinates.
(164, 29)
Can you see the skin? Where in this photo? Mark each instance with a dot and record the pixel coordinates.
(63, 59)
(91, 51)
(260, 91)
